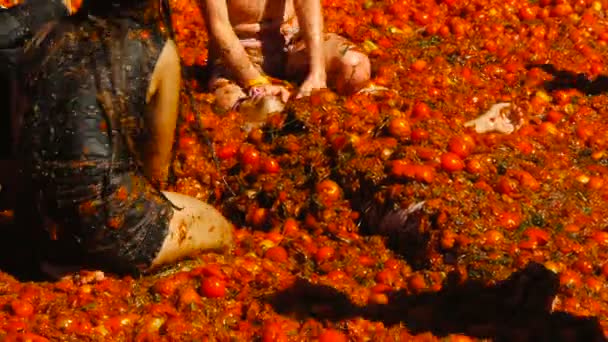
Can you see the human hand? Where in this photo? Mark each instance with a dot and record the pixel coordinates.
(502, 117)
(258, 92)
(314, 81)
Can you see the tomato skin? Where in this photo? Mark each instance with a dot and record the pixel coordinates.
(324, 253)
(417, 283)
(273, 332)
(271, 166)
(528, 13)
(257, 217)
(419, 65)
(601, 237)
(493, 237)
(461, 145)
(250, 158)
(386, 277)
(328, 191)
(22, 308)
(167, 286)
(189, 296)
(538, 235)
(213, 287)
(331, 335)
(422, 173)
(507, 186)
(421, 110)
(24, 337)
(451, 162)
(419, 135)
(227, 151)
(399, 128)
(378, 298)
(474, 166)
(509, 220)
(277, 254)
(186, 143)
(604, 270)
(290, 226)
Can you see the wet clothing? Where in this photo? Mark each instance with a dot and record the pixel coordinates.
(17, 24)
(88, 83)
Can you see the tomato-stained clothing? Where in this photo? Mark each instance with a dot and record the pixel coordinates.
(20, 22)
(80, 139)
(17, 24)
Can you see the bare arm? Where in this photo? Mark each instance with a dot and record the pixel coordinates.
(222, 34)
(310, 17)
(161, 119)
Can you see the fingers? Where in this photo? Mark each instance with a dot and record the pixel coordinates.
(257, 93)
(303, 92)
(284, 94)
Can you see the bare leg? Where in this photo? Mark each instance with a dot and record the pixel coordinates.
(197, 227)
(348, 69)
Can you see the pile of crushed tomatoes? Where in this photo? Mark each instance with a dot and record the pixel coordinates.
(512, 240)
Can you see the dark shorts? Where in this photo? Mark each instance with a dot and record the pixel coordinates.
(114, 221)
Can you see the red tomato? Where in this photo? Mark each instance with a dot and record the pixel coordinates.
(22, 308)
(421, 110)
(507, 186)
(451, 162)
(271, 165)
(328, 190)
(213, 287)
(273, 332)
(250, 157)
(324, 253)
(419, 65)
(386, 276)
(461, 145)
(189, 296)
(290, 226)
(509, 220)
(474, 166)
(417, 282)
(277, 254)
(186, 143)
(257, 216)
(227, 151)
(601, 237)
(399, 128)
(419, 135)
(331, 335)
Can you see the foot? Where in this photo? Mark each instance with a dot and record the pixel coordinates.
(56, 271)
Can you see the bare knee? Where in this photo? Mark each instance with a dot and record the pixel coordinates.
(355, 72)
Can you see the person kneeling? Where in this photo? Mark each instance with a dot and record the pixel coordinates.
(101, 84)
(284, 39)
